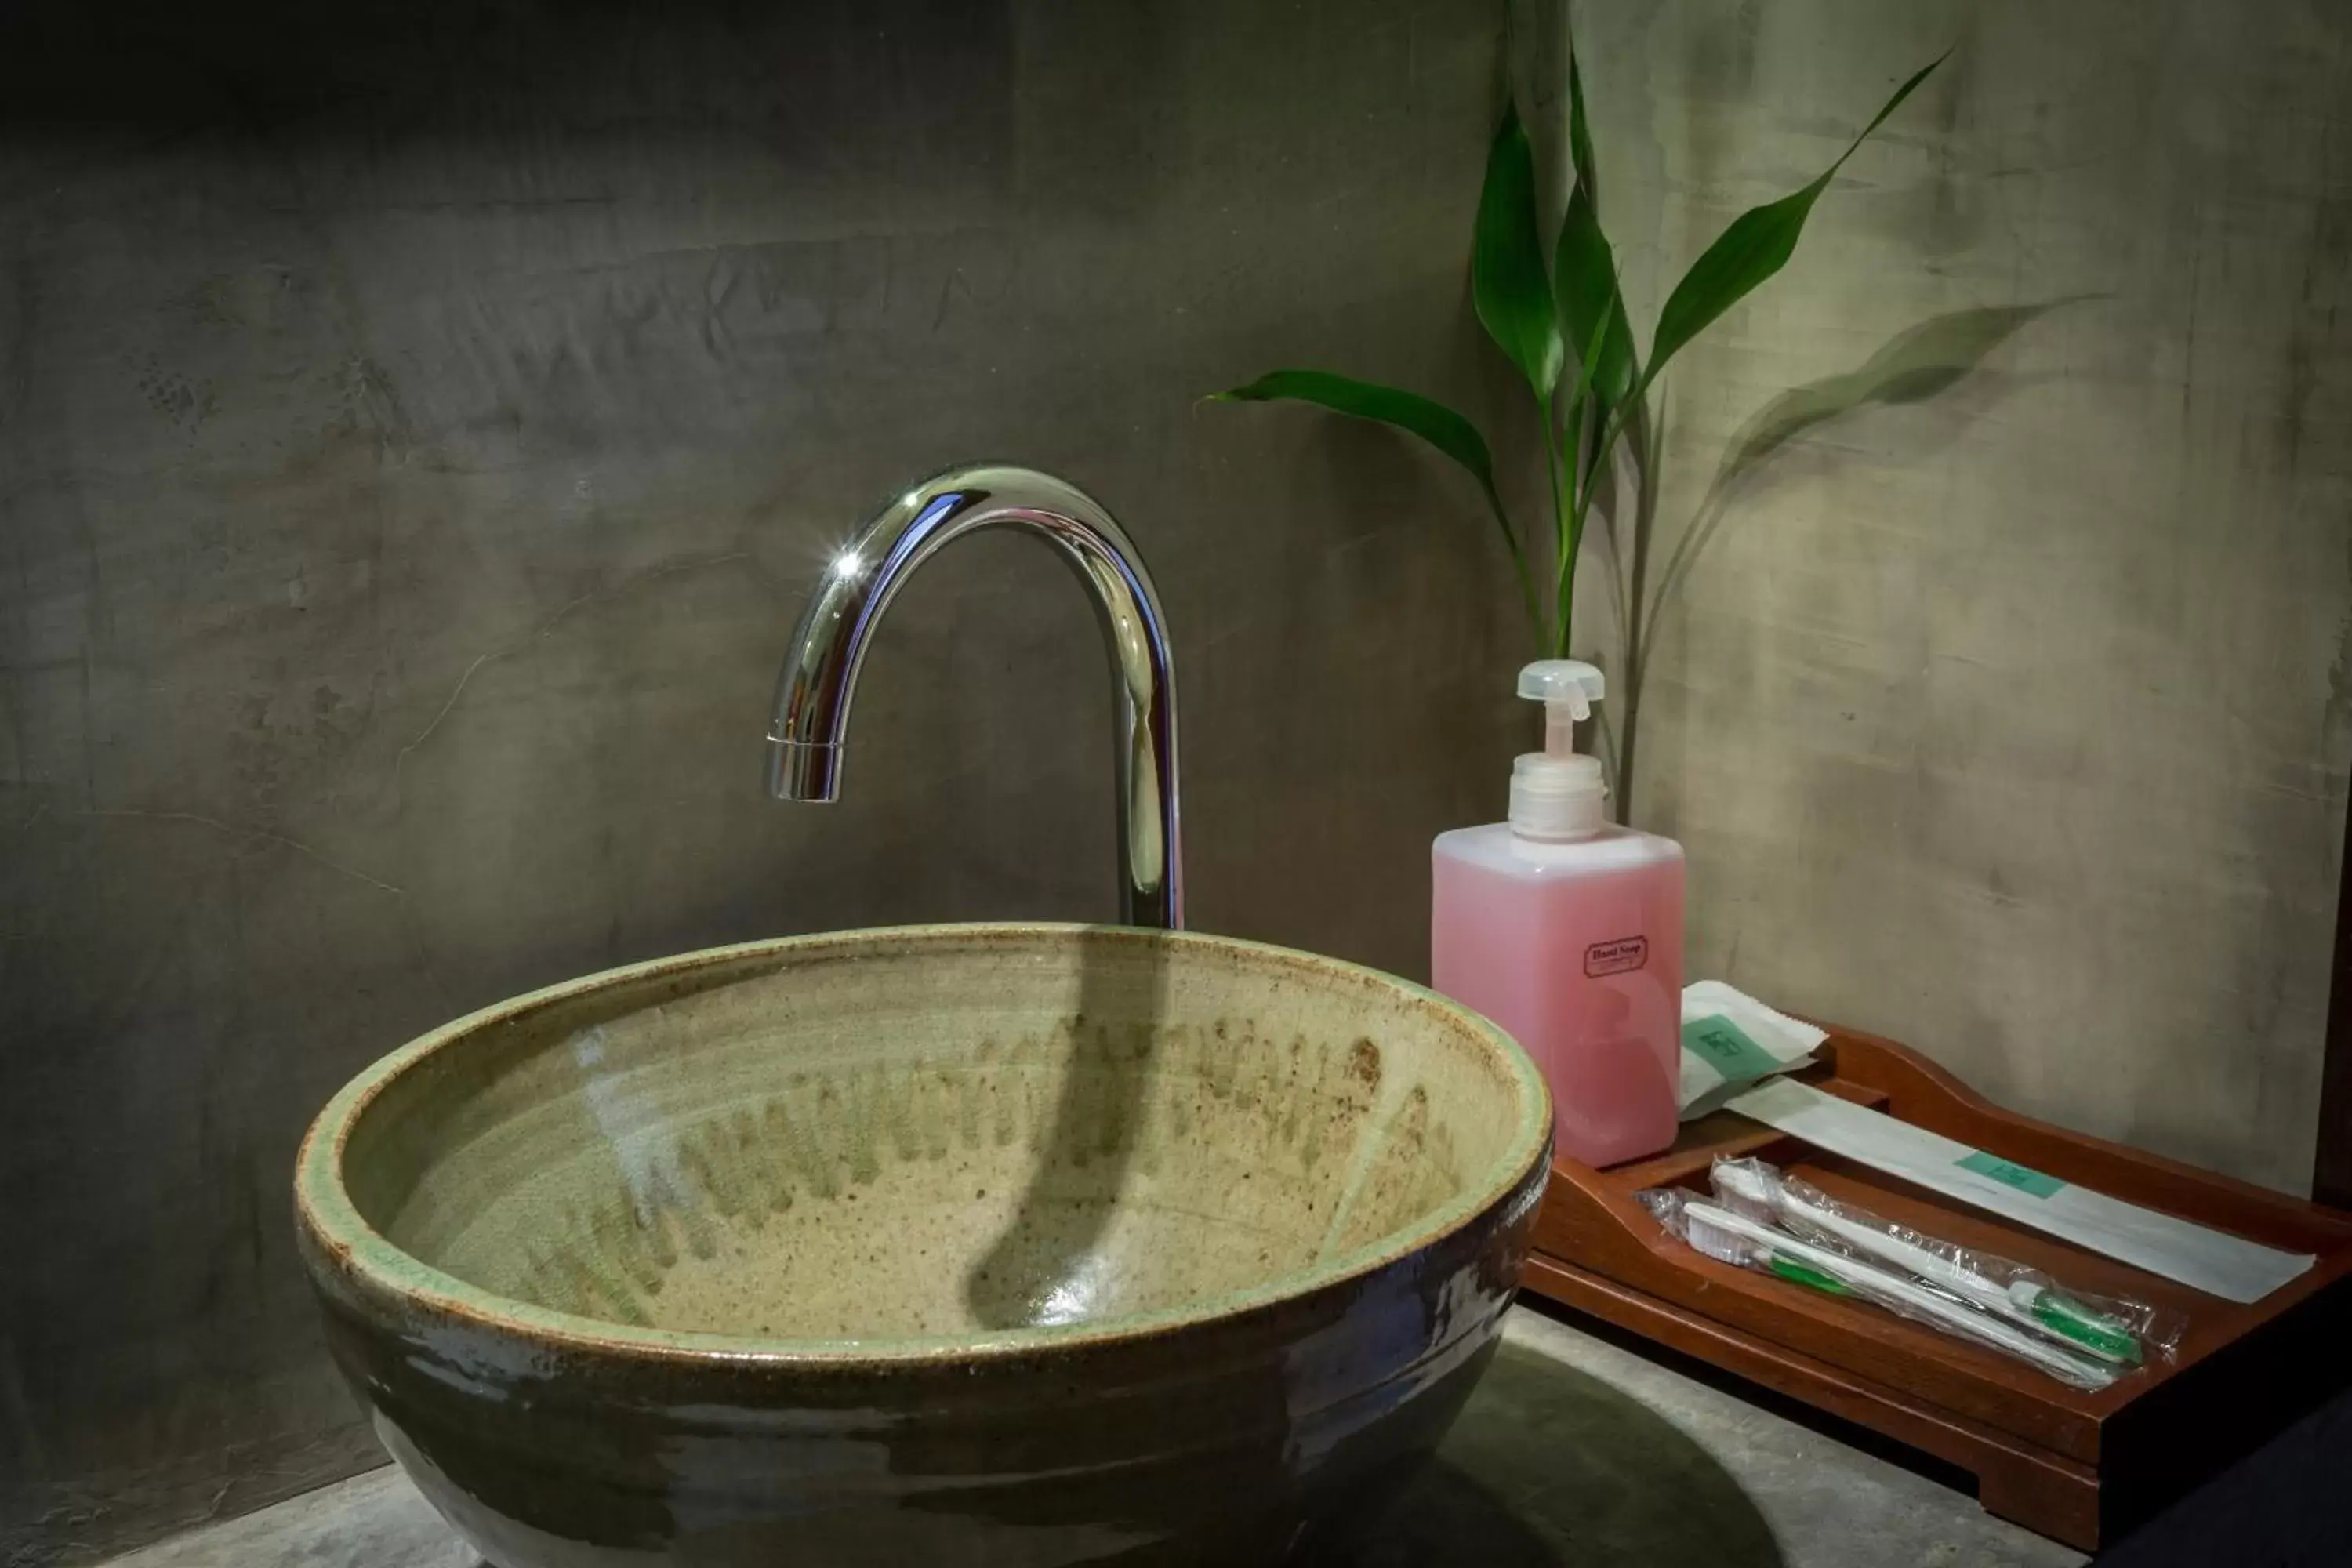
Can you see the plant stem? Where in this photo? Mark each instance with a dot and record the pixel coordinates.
(1637, 637)
(1559, 509)
(1572, 521)
(1568, 513)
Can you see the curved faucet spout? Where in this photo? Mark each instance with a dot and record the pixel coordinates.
(820, 675)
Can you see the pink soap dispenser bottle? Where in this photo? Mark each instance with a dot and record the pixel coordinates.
(1568, 932)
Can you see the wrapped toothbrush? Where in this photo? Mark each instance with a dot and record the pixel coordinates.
(1730, 1237)
(1763, 1219)
(2120, 1332)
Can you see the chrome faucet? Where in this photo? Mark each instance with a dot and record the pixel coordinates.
(820, 675)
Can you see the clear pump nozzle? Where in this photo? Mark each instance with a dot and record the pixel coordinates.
(1557, 794)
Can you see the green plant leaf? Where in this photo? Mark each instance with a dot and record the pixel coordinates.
(1584, 269)
(1584, 273)
(1434, 423)
(1507, 265)
(1580, 140)
(1757, 244)
(1589, 356)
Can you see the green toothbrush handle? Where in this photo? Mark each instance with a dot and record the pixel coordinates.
(1791, 1269)
(2094, 1332)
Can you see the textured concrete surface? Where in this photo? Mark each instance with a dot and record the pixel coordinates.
(1571, 1452)
(417, 421)
(2002, 695)
(418, 424)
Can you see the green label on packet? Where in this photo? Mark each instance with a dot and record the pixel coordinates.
(2009, 1173)
(1725, 1047)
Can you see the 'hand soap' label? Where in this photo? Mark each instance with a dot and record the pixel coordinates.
(1616, 955)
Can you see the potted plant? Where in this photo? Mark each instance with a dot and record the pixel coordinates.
(1563, 323)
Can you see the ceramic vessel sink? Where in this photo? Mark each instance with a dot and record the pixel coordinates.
(1001, 1245)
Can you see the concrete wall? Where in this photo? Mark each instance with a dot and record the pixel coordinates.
(2005, 702)
(419, 430)
(417, 425)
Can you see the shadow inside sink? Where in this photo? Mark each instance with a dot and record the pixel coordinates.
(1055, 1263)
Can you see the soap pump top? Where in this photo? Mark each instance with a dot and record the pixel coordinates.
(1557, 794)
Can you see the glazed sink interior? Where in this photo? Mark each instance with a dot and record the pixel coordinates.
(936, 1135)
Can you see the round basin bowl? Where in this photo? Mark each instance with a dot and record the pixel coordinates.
(992, 1245)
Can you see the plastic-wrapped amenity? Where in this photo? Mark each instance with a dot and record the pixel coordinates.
(1764, 1219)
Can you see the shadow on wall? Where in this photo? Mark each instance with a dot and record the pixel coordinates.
(1548, 1466)
(1940, 360)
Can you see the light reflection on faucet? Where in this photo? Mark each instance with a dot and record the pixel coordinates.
(820, 673)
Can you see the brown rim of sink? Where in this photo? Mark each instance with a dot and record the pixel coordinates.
(378, 1268)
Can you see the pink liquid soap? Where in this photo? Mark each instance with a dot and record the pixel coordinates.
(1568, 932)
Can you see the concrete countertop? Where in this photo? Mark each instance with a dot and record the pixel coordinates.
(1573, 1450)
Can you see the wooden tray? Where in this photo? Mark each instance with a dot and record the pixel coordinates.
(2082, 1467)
